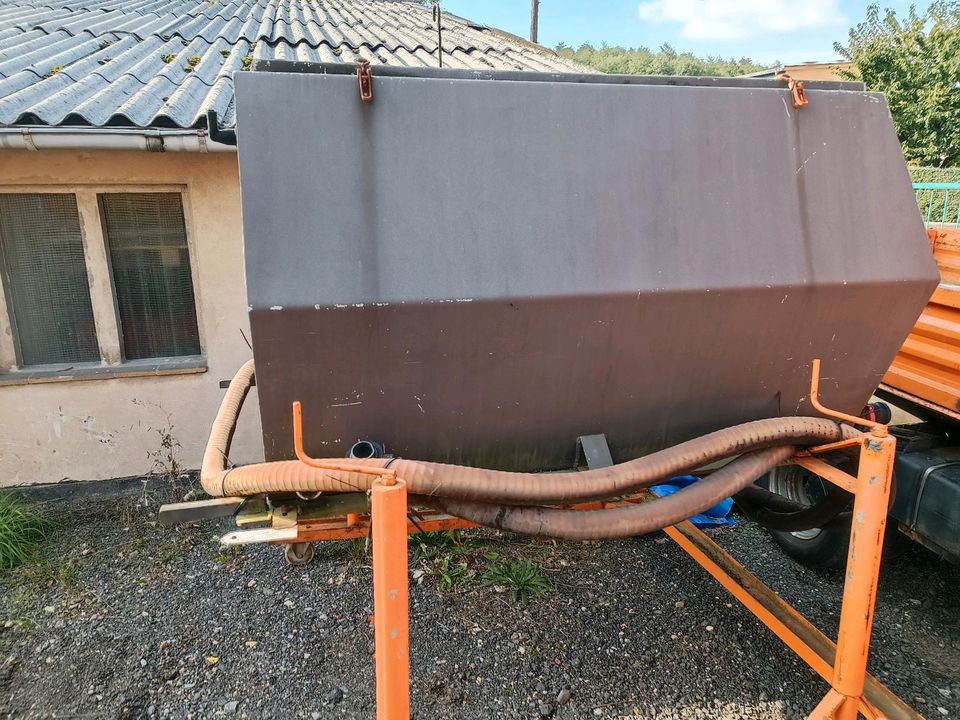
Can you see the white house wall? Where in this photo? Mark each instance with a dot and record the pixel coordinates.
(131, 425)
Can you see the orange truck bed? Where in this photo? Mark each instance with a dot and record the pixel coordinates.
(926, 371)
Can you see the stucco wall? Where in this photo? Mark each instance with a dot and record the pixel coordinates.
(103, 428)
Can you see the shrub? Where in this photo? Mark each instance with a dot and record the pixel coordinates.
(22, 529)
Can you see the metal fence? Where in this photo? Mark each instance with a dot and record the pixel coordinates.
(939, 203)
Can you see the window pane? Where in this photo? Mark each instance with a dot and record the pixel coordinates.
(45, 278)
(147, 241)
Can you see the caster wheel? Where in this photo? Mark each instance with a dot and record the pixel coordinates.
(298, 554)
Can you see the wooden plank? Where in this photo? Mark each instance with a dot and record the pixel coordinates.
(260, 535)
(173, 513)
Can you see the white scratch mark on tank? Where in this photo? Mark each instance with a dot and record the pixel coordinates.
(804, 163)
(464, 300)
(419, 405)
(833, 337)
(339, 305)
(276, 307)
(785, 298)
(785, 108)
(358, 402)
(381, 304)
(358, 305)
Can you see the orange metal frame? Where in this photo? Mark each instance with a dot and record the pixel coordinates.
(844, 666)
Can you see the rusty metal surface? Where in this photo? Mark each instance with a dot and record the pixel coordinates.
(818, 651)
(927, 368)
(479, 271)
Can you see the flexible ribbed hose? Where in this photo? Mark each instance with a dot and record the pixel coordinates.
(464, 483)
(212, 469)
(626, 520)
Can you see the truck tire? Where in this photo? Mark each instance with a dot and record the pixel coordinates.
(817, 548)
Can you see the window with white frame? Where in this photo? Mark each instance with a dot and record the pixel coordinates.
(53, 248)
(45, 279)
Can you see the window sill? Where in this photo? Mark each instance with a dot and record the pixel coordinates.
(91, 371)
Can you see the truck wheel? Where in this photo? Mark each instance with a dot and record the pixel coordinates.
(816, 548)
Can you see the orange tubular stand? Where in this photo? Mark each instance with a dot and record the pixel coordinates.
(388, 500)
(853, 692)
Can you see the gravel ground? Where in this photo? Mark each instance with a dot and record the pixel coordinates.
(124, 619)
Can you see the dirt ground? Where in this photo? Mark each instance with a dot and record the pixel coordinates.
(121, 618)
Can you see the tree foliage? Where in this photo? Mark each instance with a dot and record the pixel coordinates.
(665, 61)
(915, 62)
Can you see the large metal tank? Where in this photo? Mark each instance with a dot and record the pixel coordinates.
(478, 268)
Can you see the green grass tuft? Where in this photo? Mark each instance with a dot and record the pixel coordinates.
(357, 550)
(22, 530)
(429, 545)
(521, 577)
(452, 573)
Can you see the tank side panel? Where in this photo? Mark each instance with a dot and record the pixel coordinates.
(511, 383)
(480, 271)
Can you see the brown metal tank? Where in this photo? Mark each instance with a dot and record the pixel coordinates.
(478, 268)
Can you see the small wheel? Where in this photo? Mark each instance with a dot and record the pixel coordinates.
(298, 554)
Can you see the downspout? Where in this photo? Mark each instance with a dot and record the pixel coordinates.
(218, 134)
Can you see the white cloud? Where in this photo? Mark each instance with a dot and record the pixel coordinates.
(733, 19)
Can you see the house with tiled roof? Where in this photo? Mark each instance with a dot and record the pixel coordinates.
(121, 252)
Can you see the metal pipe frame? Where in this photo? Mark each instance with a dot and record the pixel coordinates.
(844, 664)
(853, 692)
(391, 622)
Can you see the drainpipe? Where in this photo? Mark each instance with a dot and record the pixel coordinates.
(88, 138)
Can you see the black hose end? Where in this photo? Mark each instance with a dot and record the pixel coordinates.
(365, 450)
(877, 412)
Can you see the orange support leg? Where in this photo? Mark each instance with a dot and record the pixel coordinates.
(863, 569)
(388, 516)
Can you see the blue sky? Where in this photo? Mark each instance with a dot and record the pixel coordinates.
(765, 30)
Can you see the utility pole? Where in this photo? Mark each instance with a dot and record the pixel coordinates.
(534, 17)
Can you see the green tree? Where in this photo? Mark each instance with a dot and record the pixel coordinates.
(665, 61)
(915, 62)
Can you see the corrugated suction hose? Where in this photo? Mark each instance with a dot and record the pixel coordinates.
(508, 489)
(626, 520)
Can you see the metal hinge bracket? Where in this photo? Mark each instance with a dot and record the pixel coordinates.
(365, 80)
(796, 90)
